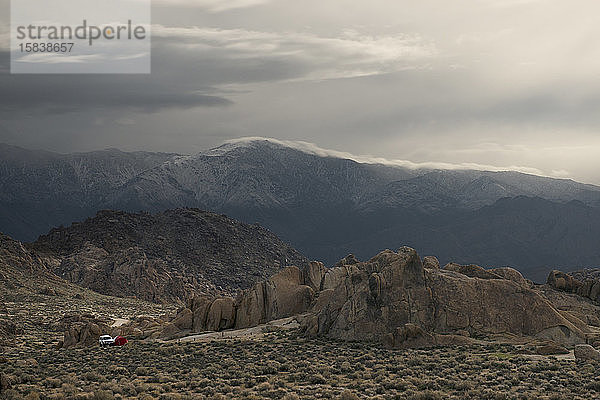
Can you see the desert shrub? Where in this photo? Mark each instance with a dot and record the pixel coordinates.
(11, 394)
(103, 395)
(348, 395)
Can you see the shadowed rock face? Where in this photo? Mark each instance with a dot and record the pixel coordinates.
(395, 300)
(166, 256)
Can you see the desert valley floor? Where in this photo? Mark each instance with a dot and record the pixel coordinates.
(279, 364)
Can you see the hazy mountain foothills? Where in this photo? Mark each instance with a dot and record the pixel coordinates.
(41, 190)
(164, 257)
(326, 207)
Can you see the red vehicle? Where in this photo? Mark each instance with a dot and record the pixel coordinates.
(120, 341)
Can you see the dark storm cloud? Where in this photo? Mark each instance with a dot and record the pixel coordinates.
(189, 65)
(67, 93)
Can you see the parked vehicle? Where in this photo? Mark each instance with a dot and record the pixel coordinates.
(120, 341)
(106, 340)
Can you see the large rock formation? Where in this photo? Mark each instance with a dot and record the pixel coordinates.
(385, 298)
(166, 256)
(83, 330)
(393, 299)
(585, 283)
(283, 295)
(287, 293)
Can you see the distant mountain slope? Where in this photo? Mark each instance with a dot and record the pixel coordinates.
(40, 190)
(165, 256)
(262, 175)
(531, 234)
(324, 206)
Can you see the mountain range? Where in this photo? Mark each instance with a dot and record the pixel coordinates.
(325, 206)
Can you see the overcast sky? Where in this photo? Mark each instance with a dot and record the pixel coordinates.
(504, 83)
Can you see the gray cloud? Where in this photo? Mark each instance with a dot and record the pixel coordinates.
(298, 55)
(213, 6)
(218, 57)
(500, 83)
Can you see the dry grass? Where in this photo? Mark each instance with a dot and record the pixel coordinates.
(281, 365)
(284, 366)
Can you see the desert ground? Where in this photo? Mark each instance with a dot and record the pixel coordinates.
(282, 365)
(272, 362)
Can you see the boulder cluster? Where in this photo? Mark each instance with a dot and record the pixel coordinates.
(396, 298)
(82, 330)
(585, 283)
(289, 292)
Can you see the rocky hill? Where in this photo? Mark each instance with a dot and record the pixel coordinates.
(325, 206)
(165, 256)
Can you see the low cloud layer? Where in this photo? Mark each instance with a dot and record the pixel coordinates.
(312, 148)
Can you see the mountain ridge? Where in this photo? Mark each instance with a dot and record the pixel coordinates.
(324, 205)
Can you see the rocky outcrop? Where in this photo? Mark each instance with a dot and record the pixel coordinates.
(585, 283)
(392, 298)
(585, 352)
(562, 281)
(580, 307)
(431, 262)
(221, 314)
(125, 272)
(184, 319)
(512, 274)
(83, 330)
(165, 257)
(350, 259)
(21, 267)
(313, 275)
(287, 293)
(284, 295)
(473, 271)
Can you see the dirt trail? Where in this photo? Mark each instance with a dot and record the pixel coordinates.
(256, 332)
(119, 322)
